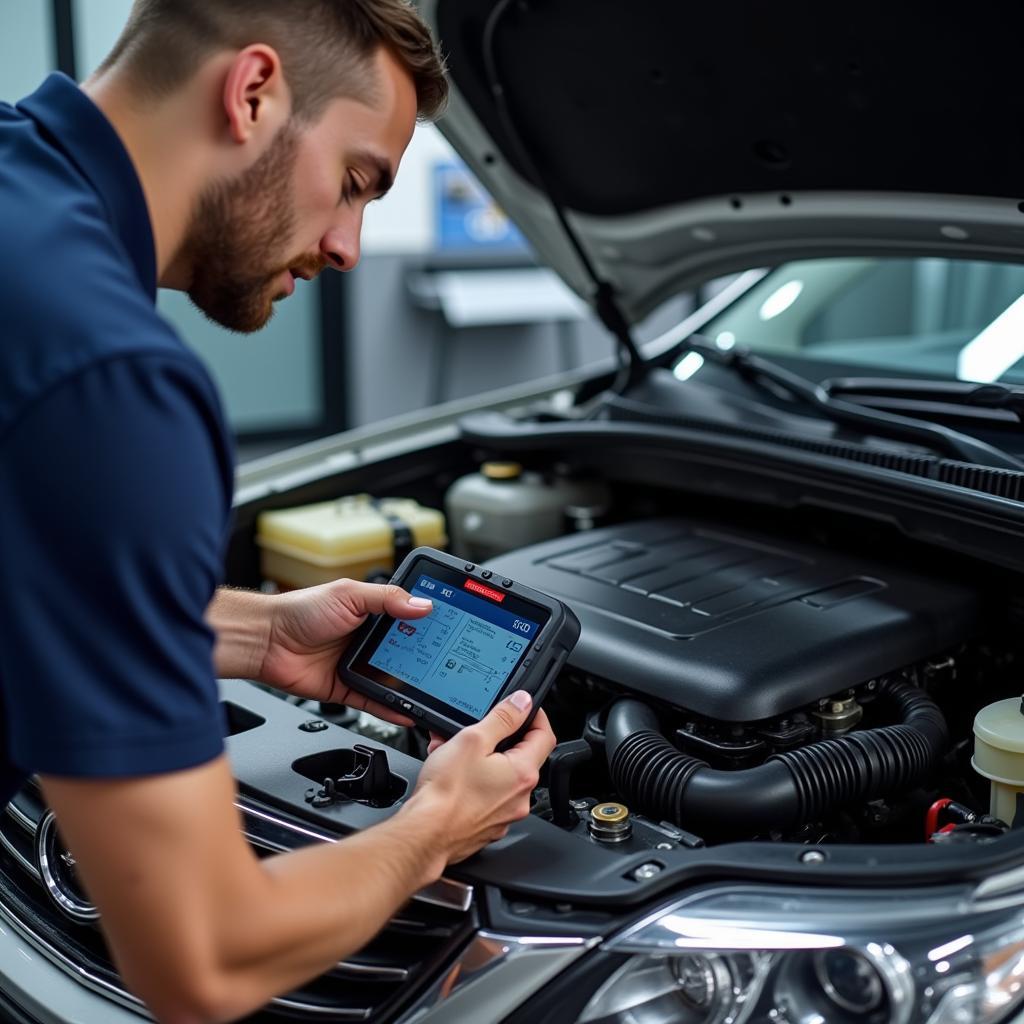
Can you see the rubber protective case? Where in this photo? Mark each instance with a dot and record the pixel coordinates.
(536, 671)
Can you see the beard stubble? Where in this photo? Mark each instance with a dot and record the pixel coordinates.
(236, 229)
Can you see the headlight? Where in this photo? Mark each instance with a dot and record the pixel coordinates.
(765, 955)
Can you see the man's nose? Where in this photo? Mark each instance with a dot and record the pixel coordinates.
(340, 245)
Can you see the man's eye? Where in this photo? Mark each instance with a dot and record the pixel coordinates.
(351, 189)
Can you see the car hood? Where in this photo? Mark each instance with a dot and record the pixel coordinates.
(684, 141)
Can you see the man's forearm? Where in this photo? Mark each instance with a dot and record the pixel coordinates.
(241, 620)
(323, 903)
(234, 931)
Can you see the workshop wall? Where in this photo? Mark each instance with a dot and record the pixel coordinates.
(26, 51)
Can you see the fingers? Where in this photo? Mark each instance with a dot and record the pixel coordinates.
(364, 599)
(346, 695)
(503, 719)
(384, 712)
(536, 746)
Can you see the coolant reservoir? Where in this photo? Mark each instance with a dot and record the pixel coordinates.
(353, 536)
(503, 508)
(999, 754)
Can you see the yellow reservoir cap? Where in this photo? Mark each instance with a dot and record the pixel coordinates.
(502, 470)
(609, 814)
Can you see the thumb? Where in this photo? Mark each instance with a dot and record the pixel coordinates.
(363, 599)
(505, 718)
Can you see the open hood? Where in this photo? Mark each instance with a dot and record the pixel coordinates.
(682, 141)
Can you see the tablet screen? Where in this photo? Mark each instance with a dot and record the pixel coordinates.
(463, 652)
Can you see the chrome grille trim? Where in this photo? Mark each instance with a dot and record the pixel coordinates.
(124, 998)
(82, 975)
(265, 831)
(27, 825)
(327, 1012)
(446, 893)
(21, 819)
(25, 865)
(264, 837)
(350, 969)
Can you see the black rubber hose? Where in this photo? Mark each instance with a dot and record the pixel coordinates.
(786, 791)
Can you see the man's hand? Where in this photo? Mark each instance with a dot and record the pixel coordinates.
(476, 791)
(309, 630)
(293, 641)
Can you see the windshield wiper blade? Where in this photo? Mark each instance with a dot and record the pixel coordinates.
(965, 395)
(950, 442)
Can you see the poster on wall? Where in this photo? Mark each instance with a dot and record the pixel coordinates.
(467, 218)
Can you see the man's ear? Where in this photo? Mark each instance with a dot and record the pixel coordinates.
(257, 101)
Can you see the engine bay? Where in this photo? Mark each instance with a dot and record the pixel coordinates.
(744, 674)
(743, 686)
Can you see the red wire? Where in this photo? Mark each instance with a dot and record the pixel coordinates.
(931, 820)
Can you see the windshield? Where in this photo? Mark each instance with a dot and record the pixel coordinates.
(949, 319)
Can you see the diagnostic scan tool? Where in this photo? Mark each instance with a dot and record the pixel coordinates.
(486, 637)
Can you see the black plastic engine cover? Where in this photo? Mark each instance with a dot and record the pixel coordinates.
(736, 626)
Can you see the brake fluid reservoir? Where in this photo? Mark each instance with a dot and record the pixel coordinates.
(503, 508)
(999, 754)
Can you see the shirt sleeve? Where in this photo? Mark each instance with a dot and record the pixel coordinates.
(114, 499)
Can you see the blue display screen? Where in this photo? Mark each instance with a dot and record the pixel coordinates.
(462, 653)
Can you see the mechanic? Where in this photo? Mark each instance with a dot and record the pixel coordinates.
(224, 148)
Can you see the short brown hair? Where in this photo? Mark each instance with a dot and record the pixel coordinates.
(326, 46)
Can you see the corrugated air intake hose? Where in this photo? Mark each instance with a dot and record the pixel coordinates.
(786, 791)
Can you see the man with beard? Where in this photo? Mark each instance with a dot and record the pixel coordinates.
(224, 148)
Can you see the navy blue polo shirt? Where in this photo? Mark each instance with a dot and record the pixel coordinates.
(115, 468)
